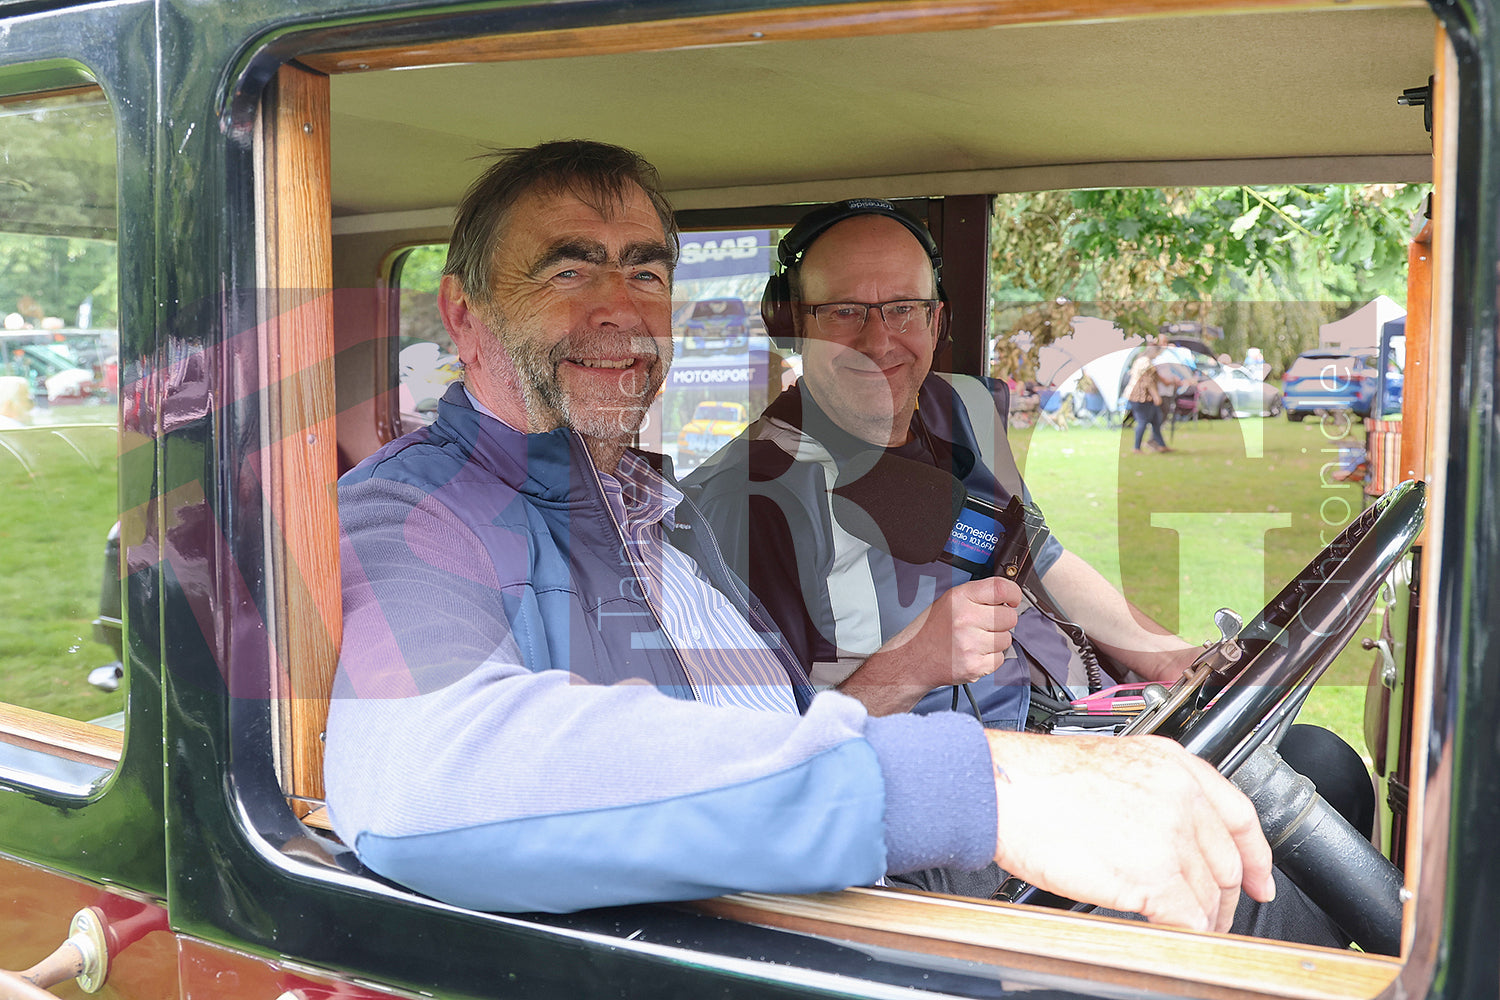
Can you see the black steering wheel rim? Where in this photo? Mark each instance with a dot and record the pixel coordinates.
(1286, 648)
(1224, 717)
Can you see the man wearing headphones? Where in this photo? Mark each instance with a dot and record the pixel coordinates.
(816, 503)
(860, 295)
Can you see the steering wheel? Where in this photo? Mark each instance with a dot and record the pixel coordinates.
(1243, 687)
(1246, 680)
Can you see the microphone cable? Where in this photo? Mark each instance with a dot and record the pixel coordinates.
(973, 705)
(1081, 641)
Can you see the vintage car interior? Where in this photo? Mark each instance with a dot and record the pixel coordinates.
(344, 138)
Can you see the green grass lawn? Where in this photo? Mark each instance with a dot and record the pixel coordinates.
(1226, 519)
(59, 489)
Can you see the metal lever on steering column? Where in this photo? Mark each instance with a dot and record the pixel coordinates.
(1227, 651)
(1166, 707)
(1229, 623)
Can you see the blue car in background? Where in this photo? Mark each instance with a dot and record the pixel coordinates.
(714, 325)
(1335, 378)
(1391, 372)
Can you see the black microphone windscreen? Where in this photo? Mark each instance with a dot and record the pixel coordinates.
(898, 505)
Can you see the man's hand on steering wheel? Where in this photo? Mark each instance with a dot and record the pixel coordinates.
(1236, 698)
(1181, 841)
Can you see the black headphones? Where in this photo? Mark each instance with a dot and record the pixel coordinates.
(776, 302)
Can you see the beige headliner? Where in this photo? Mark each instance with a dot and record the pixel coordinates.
(1241, 98)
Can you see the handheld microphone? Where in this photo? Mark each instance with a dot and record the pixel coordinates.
(897, 505)
(988, 541)
(920, 514)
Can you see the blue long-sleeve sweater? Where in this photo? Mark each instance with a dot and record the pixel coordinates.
(511, 731)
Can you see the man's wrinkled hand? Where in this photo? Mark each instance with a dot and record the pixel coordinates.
(964, 634)
(960, 638)
(1134, 824)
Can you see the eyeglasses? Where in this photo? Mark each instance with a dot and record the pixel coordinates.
(845, 319)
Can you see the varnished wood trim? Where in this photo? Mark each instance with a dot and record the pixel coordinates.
(1430, 816)
(69, 739)
(880, 17)
(1134, 955)
(1414, 391)
(303, 452)
(1417, 388)
(317, 818)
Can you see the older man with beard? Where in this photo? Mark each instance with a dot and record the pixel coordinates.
(553, 695)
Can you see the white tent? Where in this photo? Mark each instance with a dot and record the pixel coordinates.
(1095, 346)
(1362, 327)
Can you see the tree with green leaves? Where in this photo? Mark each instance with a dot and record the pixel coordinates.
(57, 208)
(43, 276)
(1266, 265)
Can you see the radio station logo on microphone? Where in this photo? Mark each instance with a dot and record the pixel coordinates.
(974, 537)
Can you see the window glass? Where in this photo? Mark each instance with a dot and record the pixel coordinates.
(60, 617)
(425, 362)
(1248, 281)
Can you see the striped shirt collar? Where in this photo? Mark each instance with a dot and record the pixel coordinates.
(643, 495)
(635, 490)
